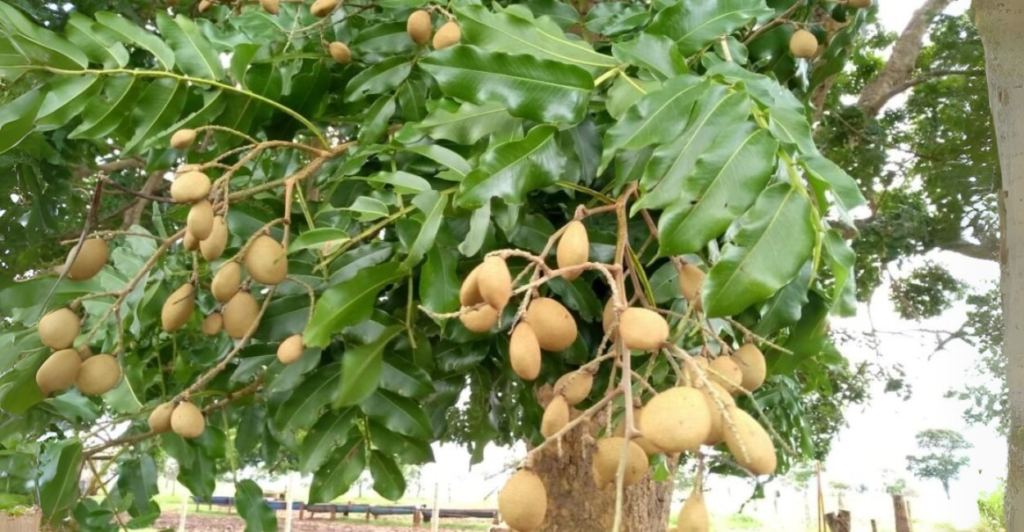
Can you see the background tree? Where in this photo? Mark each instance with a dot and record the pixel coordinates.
(941, 460)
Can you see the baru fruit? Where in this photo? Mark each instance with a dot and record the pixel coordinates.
(447, 35)
(213, 246)
(322, 8)
(751, 362)
(480, 320)
(225, 283)
(160, 418)
(90, 260)
(98, 375)
(58, 329)
(523, 501)
(187, 421)
(419, 26)
(213, 324)
(607, 457)
(340, 52)
(643, 329)
(200, 220)
(469, 292)
(575, 386)
(556, 416)
(573, 249)
(190, 242)
(860, 4)
(205, 5)
(495, 282)
(240, 314)
(59, 371)
(760, 457)
(554, 326)
(290, 349)
(717, 433)
(691, 282)
(803, 44)
(271, 6)
(620, 430)
(266, 261)
(693, 516)
(676, 420)
(183, 139)
(190, 187)
(524, 352)
(727, 373)
(178, 308)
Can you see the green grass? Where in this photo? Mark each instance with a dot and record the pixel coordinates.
(12, 504)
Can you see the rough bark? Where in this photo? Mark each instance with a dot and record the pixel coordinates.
(999, 23)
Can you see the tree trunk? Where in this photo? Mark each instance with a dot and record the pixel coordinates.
(999, 23)
(900, 509)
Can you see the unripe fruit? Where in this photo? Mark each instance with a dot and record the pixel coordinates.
(606, 462)
(240, 314)
(271, 6)
(213, 324)
(200, 220)
(90, 260)
(726, 373)
(676, 420)
(178, 308)
(98, 375)
(803, 44)
(691, 282)
(183, 139)
(523, 501)
(552, 323)
(266, 261)
(575, 386)
(419, 26)
(340, 52)
(573, 248)
(717, 433)
(480, 320)
(190, 242)
(643, 329)
(291, 349)
(556, 416)
(860, 4)
(225, 283)
(322, 8)
(760, 457)
(693, 517)
(160, 418)
(469, 292)
(524, 352)
(59, 371)
(213, 246)
(751, 362)
(58, 329)
(187, 421)
(495, 282)
(449, 34)
(190, 187)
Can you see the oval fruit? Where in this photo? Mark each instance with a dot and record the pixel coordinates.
(643, 329)
(523, 501)
(178, 308)
(213, 246)
(205, 5)
(187, 421)
(322, 8)
(480, 320)
(190, 242)
(803, 44)
(760, 457)
(556, 416)
(190, 187)
(717, 433)
(726, 373)
(751, 361)
(447, 35)
(58, 329)
(200, 220)
(290, 349)
(90, 260)
(240, 314)
(225, 283)
(575, 386)
(620, 430)
(183, 139)
(691, 282)
(573, 248)
(860, 4)
(495, 282)
(266, 261)
(693, 375)
(419, 26)
(59, 371)
(340, 52)
(676, 420)
(693, 516)
(213, 324)
(271, 6)
(524, 352)
(606, 462)
(469, 292)
(98, 375)
(160, 418)
(554, 326)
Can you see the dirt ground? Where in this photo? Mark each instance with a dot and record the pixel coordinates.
(233, 523)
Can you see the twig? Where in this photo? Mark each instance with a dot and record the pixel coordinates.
(774, 22)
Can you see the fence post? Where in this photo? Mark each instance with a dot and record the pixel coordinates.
(184, 512)
(435, 518)
(288, 497)
(900, 509)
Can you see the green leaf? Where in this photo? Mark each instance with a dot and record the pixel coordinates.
(432, 204)
(39, 45)
(468, 124)
(336, 476)
(784, 308)
(726, 182)
(442, 155)
(693, 25)
(302, 409)
(349, 302)
(615, 18)
(791, 126)
(388, 481)
(258, 515)
(665, 284)
(398, 414)
(512, 170)
(18, 118)
(319, 239)
(625, 91)
(478, 225)
(18, 388)
(531, 88)
(99, 48)
(369, 209)
(127, 32)
(826, 174)
(439, 282)
(324, 437)
(214, 103)
(241, 58)
(405, 378)
(58, 478)
(194, 54)
(110, 108)
(375, 123)
(515, 31)
(842, 259)
(251, 429)
(378, 79)
(137, 481)
(65, 99)
(361, 368)
(404, 449)
(774, 240)
(156, 110)
(657, 54)
(403, 182)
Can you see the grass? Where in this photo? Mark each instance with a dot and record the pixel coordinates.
(12, 504)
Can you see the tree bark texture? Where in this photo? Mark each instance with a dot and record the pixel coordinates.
(899, 507)
(1000, 24)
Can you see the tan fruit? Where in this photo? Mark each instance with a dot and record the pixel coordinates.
(200, 220)
(608, 316)
(620, 430)
(447, 35)
(524, 352)
(575, 386)
(178, 308)
(225, 283)
(694, 376)
(523, 501)
(803, 44)
(183, 139)
(419, 26)
(84, 352)
(469, 292)
(717, 433)
(643, 329)
(606, 462)
(760, 457)
(190, 242)
(676, 420)
(290, 349)
(693, 516)
(552, 323)
(266, 261)
(213, 324)
(271, 6)
(240, 314)
(205, 5)
(860, 4)
(691, 282)
(751, 361)
(190, 187)
(480, 320)
(160, 418)
(98, 375)
(573, 248)
(213, 246)
(59, 371)
(556, 416)
(727, 373)
(58, 329)
(495, 282)
(90, 260)
(187, 421)
(322, 8)
(340, 52)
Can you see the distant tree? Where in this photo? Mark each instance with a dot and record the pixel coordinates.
(941, 461)
(896, 487)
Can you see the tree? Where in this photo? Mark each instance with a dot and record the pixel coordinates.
(940, 461)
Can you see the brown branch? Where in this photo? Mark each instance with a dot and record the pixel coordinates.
(774, 22)
(923, 78)
(145, 192)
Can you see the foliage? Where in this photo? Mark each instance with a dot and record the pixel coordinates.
(897, 487)
(987, 404)
(940, 461)
(990, 508)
